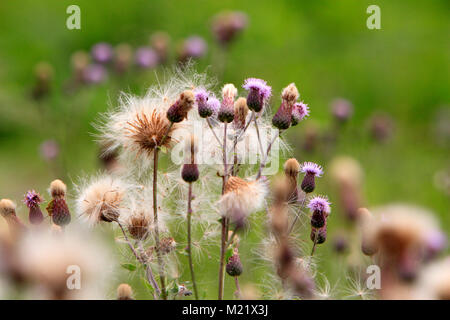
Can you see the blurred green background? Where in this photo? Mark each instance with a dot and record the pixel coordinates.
(323, 46)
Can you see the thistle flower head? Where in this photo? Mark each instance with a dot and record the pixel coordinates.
(291, 167)
(242, 196)
(193, 47)
(290, 94)
(102, 52)
(240, 113)
(226, 25)
(146, 58)
(205, 109)
(342, 109)
(32, 199)
(7, 208)
(124, 292)
(226, 111)
(283, 117)
(259, 92)
(320, 204)
(299, 112)
(101, 199)
(312, 168)
(179, 110)
(57, 189)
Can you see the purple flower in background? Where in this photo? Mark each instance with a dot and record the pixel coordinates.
(94, 74)
(102, 52)
(259, 92)
(146, 57)
(299, 112)
(226, 25)
(341, 109)
(49, 150)
(193, 47)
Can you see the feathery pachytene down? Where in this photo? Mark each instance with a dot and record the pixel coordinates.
(243, 196)
(101, 199)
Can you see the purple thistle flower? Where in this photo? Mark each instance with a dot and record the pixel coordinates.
(320, 204)
(195, 47)
(214, 104)
(146, 57)
(342, 109)
(32, 199)
(312, 168)
(102, 52)
(49, 150)
(201, 98)
(299, 112)
(94, 74)
(259, 92)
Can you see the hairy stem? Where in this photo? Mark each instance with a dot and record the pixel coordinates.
(224, 219)
(189, 250)
(162, 277)
(149, 273)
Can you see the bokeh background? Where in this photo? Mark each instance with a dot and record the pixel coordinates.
(399, 74)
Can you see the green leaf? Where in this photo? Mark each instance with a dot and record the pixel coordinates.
(128, 266)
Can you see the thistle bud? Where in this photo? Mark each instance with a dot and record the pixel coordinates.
(283, 118)
(190, 172)
(311, 170)
(321, 234)
(57, 208)
(240, 113)
(299, 112)
(369, 246)
(258, 93)
(124, 292)
(234, 266)
(226, 111)
(179, 110)
(32, 201)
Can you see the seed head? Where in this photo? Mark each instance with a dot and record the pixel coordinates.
(240, 113)
(226, 111)
(290, 94)
(291, 167)
(167, 245)
(58, 189)
(124, 292)
(7, 208)
(138, 225)
(258, 93)
(179, 110)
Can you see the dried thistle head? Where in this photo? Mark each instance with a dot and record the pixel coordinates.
(167, 245)
(7, 208)
(139, 225)
(101, 199)
(290, 93)
(240, 113)
(226, 111)
(279, 219)
(57, 189)
(283, 117)
(242, 196)
(179, 110)
(124, 292)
